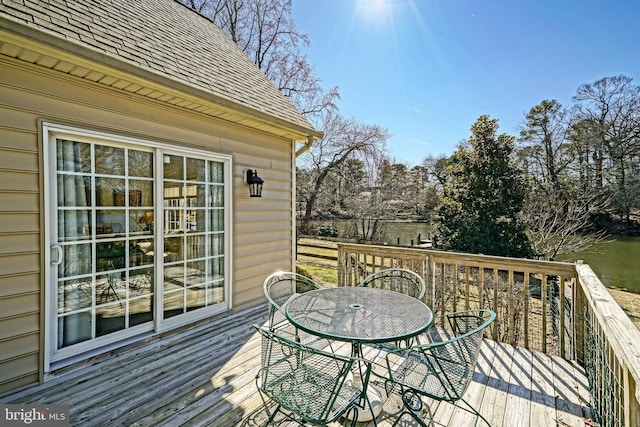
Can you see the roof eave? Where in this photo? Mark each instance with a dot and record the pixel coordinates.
(33, 45)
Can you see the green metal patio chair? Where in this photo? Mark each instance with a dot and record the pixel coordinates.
(278, 288)
(310, 384)
(398, 280)
(439, 370)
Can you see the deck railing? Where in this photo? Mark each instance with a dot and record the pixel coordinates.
(558, 308)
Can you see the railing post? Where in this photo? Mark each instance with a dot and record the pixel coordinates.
(561, 334)
(454, 284)
(431, 280)
(527, 279)
(443, 308)
(579, 313)
(481, 287)
(341, 265)
(495, 305)
(544, 295)
(512, 315)
(466, 287)
(631, 404)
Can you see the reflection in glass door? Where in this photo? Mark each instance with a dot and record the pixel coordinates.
(138, 239)
(104, 212)
(193, 240)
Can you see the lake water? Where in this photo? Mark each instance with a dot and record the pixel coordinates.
(615, 261)
(392, 231)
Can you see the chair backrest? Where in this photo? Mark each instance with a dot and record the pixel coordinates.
(308, 382)
(451, 362)
(397, 279)
(279, 287)
(455, 359)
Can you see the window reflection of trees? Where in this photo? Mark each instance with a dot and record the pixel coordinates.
(103, 192)
(106, 217)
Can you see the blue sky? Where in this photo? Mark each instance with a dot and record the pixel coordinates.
(427, 69)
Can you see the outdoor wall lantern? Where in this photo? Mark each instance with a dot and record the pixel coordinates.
(254, 182)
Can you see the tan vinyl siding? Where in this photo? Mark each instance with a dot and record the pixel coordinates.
(19, 181)
(20, 325)
(15, 138)
(16, 241)
(18, 345)
(261, 228)
(12, 264)
(19, 284)
(18, 373)
(25, 222)
(19, 202)
(19, 304)
(19, 161)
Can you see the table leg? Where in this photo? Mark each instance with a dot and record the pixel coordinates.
(371, 400)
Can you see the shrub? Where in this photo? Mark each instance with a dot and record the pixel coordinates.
(327, 230)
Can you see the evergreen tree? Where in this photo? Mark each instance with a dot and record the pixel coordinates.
(484, 193)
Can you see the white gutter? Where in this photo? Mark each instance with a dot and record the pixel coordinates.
(306, 146)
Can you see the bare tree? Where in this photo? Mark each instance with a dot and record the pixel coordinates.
(545, 140)
(436, 167)
(266, 33)
(558, 210)
(421, 193)
(379, 200)
(609, 110)
(343, 139)
(554, 230)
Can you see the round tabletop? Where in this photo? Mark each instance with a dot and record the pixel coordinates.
(359, 314)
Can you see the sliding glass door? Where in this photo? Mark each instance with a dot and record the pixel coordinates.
(138, 236)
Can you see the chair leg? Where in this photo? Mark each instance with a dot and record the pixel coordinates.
(351, 417)
(265, 404)
(412, 405)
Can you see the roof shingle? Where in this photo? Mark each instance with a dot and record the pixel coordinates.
(161, 36)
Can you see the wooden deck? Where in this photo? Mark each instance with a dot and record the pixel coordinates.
(204, 376)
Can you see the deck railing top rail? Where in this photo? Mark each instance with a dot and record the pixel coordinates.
(611, 333)
(521, 264)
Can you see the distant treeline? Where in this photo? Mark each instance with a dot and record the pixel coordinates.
(581, 164)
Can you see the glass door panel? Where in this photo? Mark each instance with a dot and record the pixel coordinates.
(193, 233)
(140, 163)
(106, 270)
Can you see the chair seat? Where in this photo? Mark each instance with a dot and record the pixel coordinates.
(415, 372)
(306, 389)
(277, 313)
(441, 370)
(305, 382)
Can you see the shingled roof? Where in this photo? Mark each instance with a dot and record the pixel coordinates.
(159, 40)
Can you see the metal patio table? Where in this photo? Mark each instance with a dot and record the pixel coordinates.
(359, 315)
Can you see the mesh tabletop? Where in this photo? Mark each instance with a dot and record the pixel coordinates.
(357, 314)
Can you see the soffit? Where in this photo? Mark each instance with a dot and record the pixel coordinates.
(66, 57)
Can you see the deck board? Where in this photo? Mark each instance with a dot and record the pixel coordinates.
(542, 393)
(497, 388)
(205, 376)
(517, 409)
